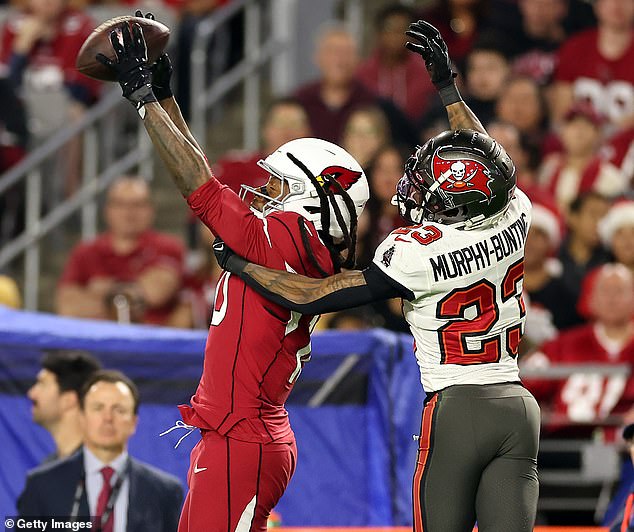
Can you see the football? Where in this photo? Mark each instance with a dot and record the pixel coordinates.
(156, 36)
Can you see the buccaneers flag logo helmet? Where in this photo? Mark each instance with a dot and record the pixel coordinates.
(324, 160)
(464, 175)
(458, 177)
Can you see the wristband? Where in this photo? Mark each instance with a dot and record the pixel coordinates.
(236, 264)
(450, 94)
(162, 93)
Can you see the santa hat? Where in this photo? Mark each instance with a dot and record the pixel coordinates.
(583, 109)
(548, 221)
(620, 215)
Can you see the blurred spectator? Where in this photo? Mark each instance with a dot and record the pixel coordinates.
(284, 121)
(380, 217)
(617, 233)
(523, 154)
(486, 72)
(55, 398)
(130, 272)
(619, 151)
(81, 485)
(391, 71)
(331, 99)
(201, 278)
(595, 65)
(354, 319)
(222, 51)
(582, 251)
(587, 400)
(13, 141)
(9, 292)
(39, 46)
(543, 281)
(365, 133)
(459, 23)
(522, 104)
(579, 168)
(534, 44)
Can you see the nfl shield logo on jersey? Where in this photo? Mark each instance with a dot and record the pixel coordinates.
(462, 175)
(387, 256)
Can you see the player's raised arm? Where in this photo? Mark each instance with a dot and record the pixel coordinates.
(181, 155)
(433, 50)
(161, 87)
(307, 295)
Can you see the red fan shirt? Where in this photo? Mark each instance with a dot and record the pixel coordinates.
(97, 258)
(585, 400)
(607, 83)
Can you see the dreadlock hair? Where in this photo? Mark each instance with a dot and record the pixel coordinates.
(327, 198)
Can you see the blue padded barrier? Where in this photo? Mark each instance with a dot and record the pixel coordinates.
(356, 457)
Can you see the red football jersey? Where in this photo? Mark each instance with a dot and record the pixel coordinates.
(607, 83)
(255, 349)
(584, 399)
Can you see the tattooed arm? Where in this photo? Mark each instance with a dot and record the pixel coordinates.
(184, 160)
(317, 296)
(462, 117)
(174, 112)
(312, 296)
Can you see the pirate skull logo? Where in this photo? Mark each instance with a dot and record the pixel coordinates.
(459, 177)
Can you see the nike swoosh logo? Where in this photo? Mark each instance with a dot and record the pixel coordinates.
(199, 469)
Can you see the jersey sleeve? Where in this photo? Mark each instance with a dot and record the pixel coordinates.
(228, 217)
(403, 262)
(274, 241)
(306, 255)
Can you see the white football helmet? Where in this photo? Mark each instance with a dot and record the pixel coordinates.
(320, 157)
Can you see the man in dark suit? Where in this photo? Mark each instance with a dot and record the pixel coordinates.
(101, 480)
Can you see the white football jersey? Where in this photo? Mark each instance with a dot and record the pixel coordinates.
(467, 315)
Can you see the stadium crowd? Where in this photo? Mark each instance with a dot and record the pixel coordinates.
(551, 80)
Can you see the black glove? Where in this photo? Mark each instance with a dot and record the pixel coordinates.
(130, 67)
(161, 76)
(226, 258)
(161, 70)
(433, 50)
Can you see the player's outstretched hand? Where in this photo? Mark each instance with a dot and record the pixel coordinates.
(434, 51)
(161, 70)
(130, 65)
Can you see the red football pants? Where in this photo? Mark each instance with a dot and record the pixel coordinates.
(234, 485)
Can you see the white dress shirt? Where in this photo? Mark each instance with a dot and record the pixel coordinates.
(94, 483)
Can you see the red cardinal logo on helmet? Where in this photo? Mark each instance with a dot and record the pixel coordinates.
(344, 176)
(462, 175)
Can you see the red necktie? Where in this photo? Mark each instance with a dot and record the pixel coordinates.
(102, 501)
